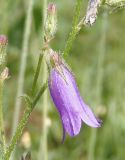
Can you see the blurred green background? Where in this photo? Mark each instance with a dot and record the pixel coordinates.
(98, 62)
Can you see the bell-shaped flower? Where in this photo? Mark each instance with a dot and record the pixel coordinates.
(67, 99)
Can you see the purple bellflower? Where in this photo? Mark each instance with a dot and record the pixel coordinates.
(67, 99)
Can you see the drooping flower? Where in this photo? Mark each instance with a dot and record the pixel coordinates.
(67, 99)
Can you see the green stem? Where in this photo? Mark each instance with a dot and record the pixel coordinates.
(100, 72)
(23, 64)
(43, 151)
(36, 74)
(23, 123)
(75, 28)
(2, 135)
(42, 90)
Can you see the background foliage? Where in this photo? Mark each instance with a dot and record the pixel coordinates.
(101, 80)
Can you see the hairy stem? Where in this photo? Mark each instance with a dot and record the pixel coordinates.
(23, 123)
(24, 54)
(36, 74)
(75, 28)
(43, 143)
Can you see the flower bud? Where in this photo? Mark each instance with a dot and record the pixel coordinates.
(91, 13)
(3, 40)
(51, 22)
(52, 8)
(3, 46)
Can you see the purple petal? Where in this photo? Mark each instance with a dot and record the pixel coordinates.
(86, 114)
(64, 97)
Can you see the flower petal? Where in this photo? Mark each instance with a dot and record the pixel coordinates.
(88, 116)
(72, 123)
(64, 97)
(86, 113)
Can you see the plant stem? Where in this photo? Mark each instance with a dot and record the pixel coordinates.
(43, 151)
(43, 143)
(24, 54)
(100, 73)
(2, 135)
(41, 92)
(75, 28)
(23, 122)
(36, 74)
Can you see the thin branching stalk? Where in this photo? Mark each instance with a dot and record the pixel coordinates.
(23, 122)
(24, 54)
(2, 135)
(100, 73)
(43, 151)
(75, 28)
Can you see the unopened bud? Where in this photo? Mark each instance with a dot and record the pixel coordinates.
(3, 46)
(52, 8)
(4, 74)
(51, 22)
(3, 40)
(91, 13)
